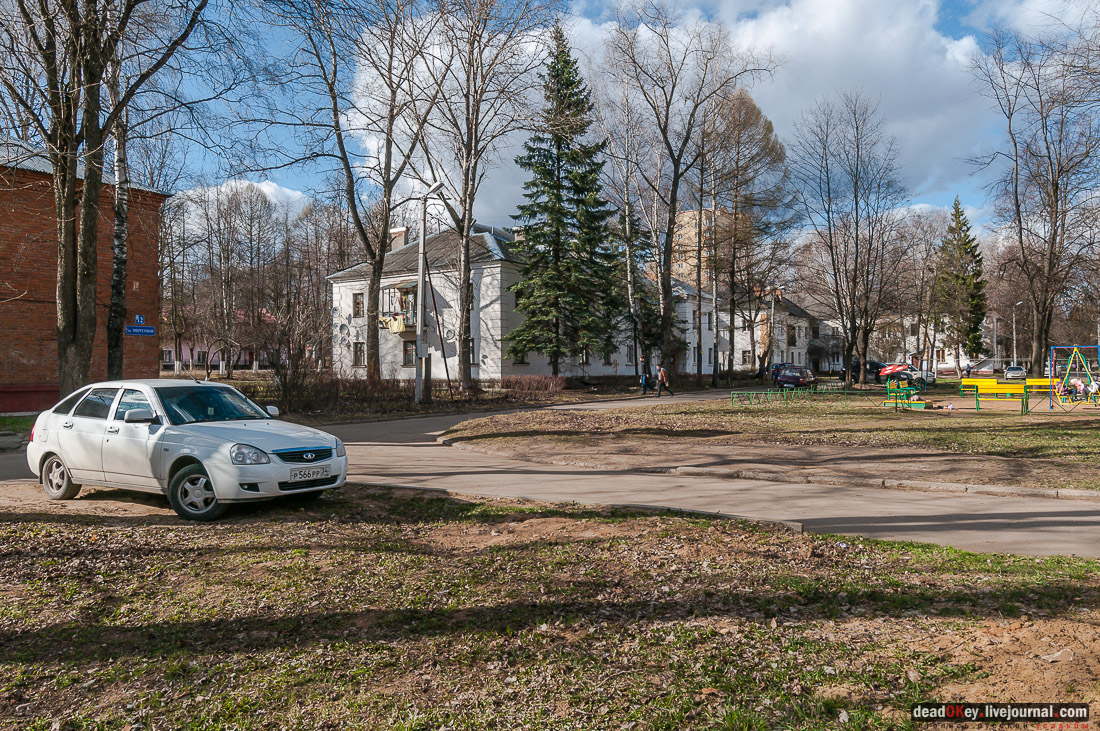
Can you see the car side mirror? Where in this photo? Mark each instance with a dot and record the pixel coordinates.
(139, 416)
(272, 410)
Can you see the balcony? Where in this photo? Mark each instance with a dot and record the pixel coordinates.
(398, 322)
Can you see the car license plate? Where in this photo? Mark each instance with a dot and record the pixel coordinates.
(309, 473)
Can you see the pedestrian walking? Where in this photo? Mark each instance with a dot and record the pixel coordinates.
(968, 370)
(643, 368)
(662, 381)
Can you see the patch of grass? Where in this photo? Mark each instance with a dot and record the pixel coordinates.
(17, 424)
(374, 608)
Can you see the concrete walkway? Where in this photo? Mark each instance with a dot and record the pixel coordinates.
(406, 453)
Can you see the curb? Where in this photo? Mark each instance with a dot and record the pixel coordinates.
(915, 485)
(790, 525)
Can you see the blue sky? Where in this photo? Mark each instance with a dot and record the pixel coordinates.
(910, 55)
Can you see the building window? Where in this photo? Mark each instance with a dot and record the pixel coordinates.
(200, 357)
(585, 358)
(408, 353)
(473, 356)
(746, 326)
(166, 356)
(607, 357)
(792, 336)
(359, 354)
(521, 360)
(746, 357)
(815, 332)
(939, 354)
(710, 356)
(913, 330)
(710, 320)
(357, 305)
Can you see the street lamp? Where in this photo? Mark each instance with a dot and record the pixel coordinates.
(422, 257)
(1014, 330)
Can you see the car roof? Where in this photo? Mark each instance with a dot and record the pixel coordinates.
(154, 382)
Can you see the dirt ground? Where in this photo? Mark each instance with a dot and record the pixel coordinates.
(505, 614)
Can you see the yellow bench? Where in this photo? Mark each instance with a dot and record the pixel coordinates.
(1038, 386)
(969, 385)
(993, 391)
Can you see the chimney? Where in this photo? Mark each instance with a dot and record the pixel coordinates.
(398, 237)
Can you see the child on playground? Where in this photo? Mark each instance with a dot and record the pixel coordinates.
(1077, 387)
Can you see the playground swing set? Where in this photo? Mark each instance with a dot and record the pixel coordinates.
(1078, 386)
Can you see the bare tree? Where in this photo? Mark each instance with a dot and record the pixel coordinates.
(630, 145)
(484, 59)
(64, 50)
(754, 227)
(845, 168)
(354, 95)
(676, 67)
(1049, 160)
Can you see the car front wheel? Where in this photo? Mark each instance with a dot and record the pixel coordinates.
(191, 495)
(57, 481)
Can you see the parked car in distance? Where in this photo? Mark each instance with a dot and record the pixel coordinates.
(796, 377)
(774, 370)
(1015, 372)
(915, 375)
(873, 368)
(202, 444)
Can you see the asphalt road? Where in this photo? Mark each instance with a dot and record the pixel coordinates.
(405, 453)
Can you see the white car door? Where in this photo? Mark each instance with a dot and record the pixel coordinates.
(80, 438)
(128, 449)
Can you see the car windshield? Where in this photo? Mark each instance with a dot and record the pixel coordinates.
(791, 372)
(193, 404)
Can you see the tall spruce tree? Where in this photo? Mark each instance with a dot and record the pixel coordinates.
(960, 286)
(569, 291)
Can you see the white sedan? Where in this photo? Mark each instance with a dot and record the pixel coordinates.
(203, 444)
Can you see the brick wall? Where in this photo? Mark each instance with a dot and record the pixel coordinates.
(28, 284)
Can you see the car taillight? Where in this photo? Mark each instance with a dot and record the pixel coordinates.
(32, 433)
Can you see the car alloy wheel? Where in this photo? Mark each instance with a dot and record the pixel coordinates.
(191, 494)
(197, 494)
(57, 481)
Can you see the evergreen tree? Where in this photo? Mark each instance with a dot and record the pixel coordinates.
(960, 286)
(568, 291)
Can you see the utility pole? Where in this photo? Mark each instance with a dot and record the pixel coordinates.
(996, 346)
(714, 285)
(421, 295)
(1014, 331)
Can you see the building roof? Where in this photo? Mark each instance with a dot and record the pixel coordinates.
(792, 309)
(680, 288)
(20, 155)
(487, 244)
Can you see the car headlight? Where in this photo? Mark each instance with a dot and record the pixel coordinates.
(340, 451)
(247, 454)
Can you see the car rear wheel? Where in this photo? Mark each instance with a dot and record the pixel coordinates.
(191, 495)
(56, 480)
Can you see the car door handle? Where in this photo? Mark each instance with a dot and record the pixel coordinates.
(112, 430)
(67, 425)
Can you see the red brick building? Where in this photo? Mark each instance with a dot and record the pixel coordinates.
(28, 282)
